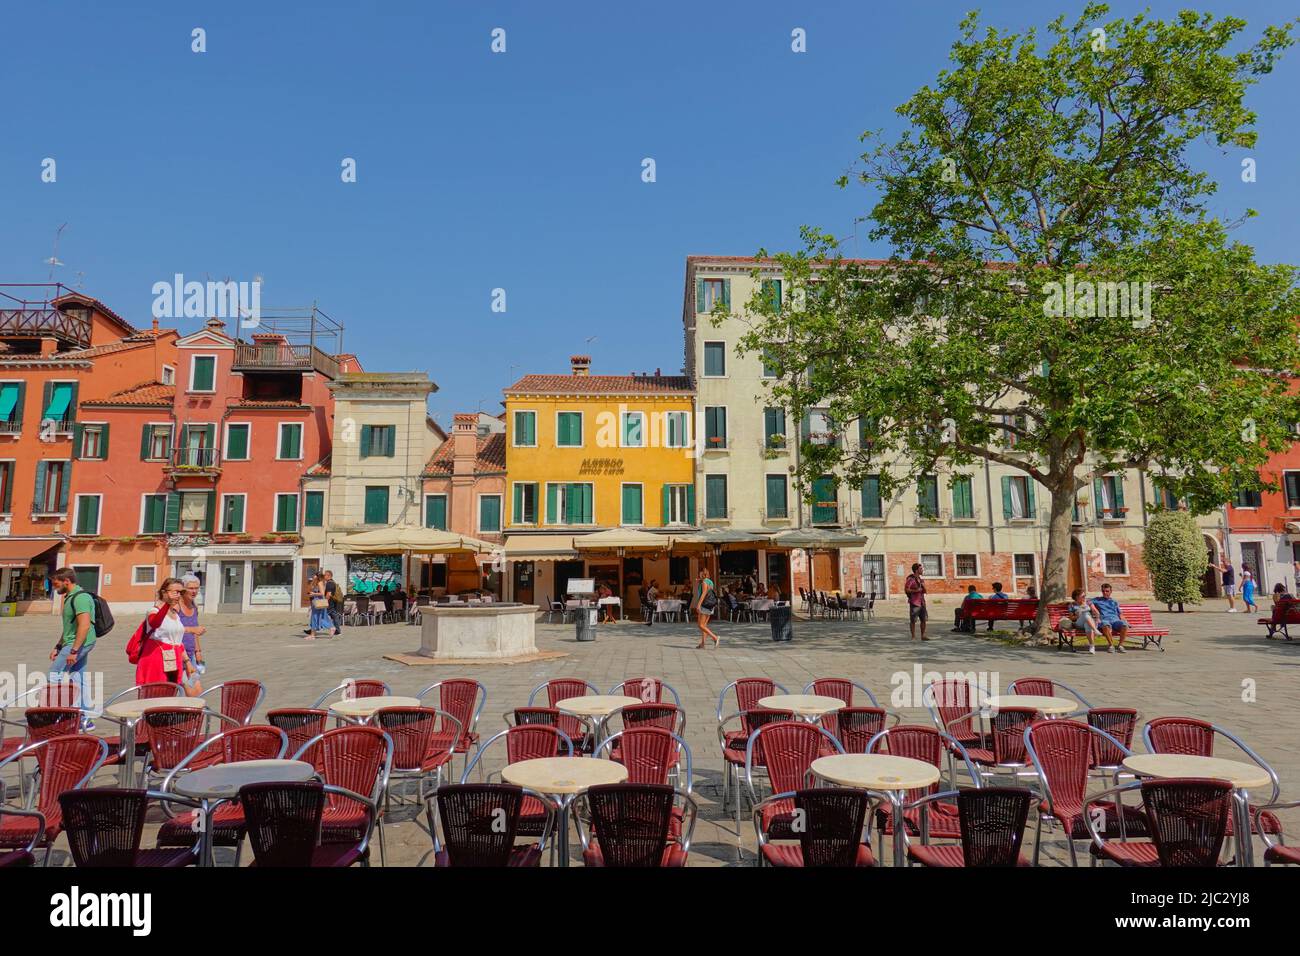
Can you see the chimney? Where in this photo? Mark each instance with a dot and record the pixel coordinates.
(49, 346)
(464, 448)
(216, 325)
(581, 364)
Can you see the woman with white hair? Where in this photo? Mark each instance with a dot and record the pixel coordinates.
(188, 612)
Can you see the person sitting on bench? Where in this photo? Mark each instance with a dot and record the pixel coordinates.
(997, 595)
(1109, 619)
(960, 621)
(1284, 604)
(1079, 617)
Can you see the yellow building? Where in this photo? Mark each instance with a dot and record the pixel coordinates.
(590, 452)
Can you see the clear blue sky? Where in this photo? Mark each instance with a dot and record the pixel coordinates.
(478, 171)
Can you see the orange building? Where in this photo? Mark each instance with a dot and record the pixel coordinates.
(464, 492)
(61, 351)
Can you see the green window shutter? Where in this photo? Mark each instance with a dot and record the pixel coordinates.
(204, 373)
(690, 504)
(87, 514)
(963, 504)
(365, 440)
(715, 496)
(315, 510)
(489, 513)
(145, 434)
(1098, 501)
(871, 497)
(587, 502)
(237, 442)
(47, 395)
(667, 505)
(293, 447)
(517, 511)
(8, 503)
(172, 516)
(699, 295)
(632, 504)
(772, 292)
(1006, 497)
(552, 502)
(776, 498)
(726, 293)
(38, 496)
(73, 389)
(530, 428)
(232, 520)
(103, 442)
(77, 432)
(390, 449)
(20, 404)
(1119, 490)
(210, 515)
(435, 512)
(376, 505)
(65, 487)
(1030, 507)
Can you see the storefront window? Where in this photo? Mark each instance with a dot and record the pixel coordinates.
(272, 583)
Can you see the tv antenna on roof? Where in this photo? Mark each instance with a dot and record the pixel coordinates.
(54, 260)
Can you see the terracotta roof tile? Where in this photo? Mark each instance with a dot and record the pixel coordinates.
(145, 393)
(321, 469)
(260, 403)
(602, 384)
(490, 457)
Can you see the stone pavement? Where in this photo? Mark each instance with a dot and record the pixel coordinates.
(1218, 666)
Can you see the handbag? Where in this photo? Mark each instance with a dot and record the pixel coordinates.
(135, 644)
(320, 603)
(709, 603)
(169, 657)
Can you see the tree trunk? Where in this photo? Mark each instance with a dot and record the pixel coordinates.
(1056, 564)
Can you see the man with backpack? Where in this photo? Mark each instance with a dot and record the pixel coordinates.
(76, 641)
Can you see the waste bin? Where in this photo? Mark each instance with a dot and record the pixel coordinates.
(781, 617)
(585, 618)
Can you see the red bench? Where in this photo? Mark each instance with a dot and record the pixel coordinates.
(1138, 617)
(1000, 609)
(1283, 614)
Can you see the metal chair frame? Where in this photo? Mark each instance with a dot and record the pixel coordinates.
(682, 800)
(376, 795)
(683, 758)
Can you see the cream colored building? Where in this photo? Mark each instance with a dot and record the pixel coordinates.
(990, 527)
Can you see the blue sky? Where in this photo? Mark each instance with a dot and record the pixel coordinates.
(477, 171)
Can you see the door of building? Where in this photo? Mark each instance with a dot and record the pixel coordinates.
(778, 571)
(523, 582)
(826, 570)
(88, 578)
(1252, 556)
(873, 575)
(1074, 572)
(564, 570)
(231, 599)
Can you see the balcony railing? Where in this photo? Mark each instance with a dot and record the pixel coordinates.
(282, 357)
(197, 458)
(826, 514)
(11, 428)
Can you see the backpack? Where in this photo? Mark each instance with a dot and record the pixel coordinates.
(103, 620)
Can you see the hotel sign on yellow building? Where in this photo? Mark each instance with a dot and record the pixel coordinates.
(598, 451)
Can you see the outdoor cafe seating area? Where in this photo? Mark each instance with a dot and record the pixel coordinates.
(822, 776)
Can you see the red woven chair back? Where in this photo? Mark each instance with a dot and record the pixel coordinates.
(920, 743)
(649, 689)
(157, 690)
(283, 821)
(301, 725)
(249, 743)
(459, 697)
(841, 688)
(1120, 723)
(954, 699)
(993, 824)
(832, 825)
(1009, 725)
(238, 698)
(789, 748)
(1188, 818)
(537, 715)
(563, 688)
(104, 827)
(632, 821)
(750, 690)
(854, 727)
(46, 722)
(479, 822)
(65, 761)
(532, 741)
(356, 689)
(1033, 686)
(664, 716)
(751, 720)
(1064, 749)
(412, 730)
(173, 733)
(352, 758)
(647, 752)
(58, 693)
(1181, 735)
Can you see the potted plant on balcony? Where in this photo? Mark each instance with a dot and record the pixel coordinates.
(126, 539)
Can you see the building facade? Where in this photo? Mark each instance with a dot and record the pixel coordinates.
(465, 492)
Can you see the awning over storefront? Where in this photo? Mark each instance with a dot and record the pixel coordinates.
(817, 539)
(718, 537)
(540, 547)
(18, 552)
(623, 539)
(412, 540)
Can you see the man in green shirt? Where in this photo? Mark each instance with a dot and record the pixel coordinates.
(77, 640)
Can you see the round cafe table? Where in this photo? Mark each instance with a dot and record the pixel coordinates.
(128, 713)
(359, 709)
(1047, 706)
(894, 775)
(599, 707)
(564, 778)
(222, 782)
(1241, 775)
(808, 706)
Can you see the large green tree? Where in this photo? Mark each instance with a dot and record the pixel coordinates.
(1032, 177)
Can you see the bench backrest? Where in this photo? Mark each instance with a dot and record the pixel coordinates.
(1137, 615)
(1002, 607)
(1054, 614)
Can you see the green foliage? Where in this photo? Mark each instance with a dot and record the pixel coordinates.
(1034, 165)
(1174, 553)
